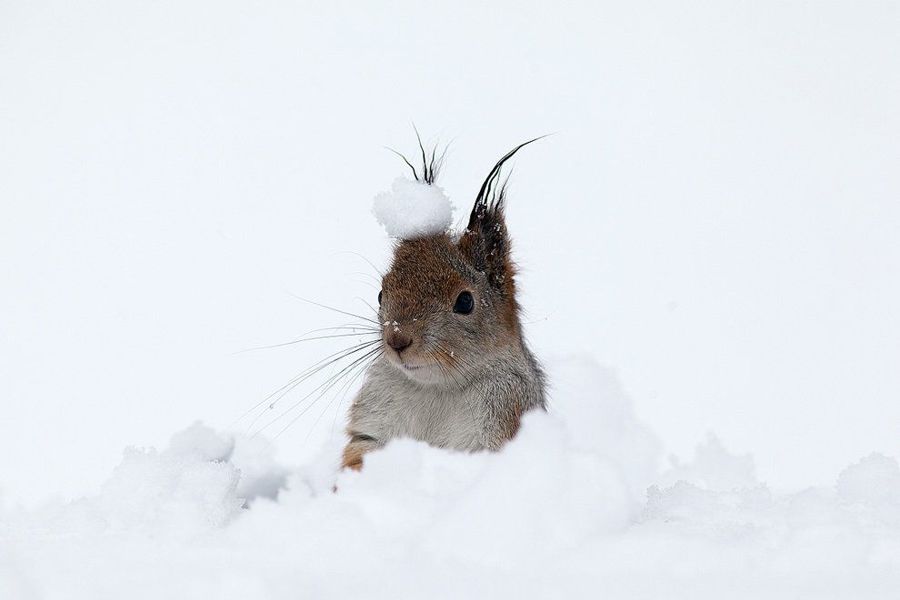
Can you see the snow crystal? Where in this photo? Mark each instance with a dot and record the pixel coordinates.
(413, 209)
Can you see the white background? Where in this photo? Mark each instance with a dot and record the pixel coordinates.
(717, 216)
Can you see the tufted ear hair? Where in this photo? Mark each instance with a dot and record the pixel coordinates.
(430, 167)
(485, 241)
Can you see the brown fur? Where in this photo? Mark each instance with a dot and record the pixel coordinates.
(511, 422)
(353, 457)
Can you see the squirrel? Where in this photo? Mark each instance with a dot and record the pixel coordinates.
(455, 371)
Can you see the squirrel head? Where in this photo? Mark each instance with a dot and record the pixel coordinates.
(448, 305)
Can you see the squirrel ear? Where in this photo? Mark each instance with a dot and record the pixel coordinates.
(485, 240)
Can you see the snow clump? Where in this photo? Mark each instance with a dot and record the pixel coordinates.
(413, 209)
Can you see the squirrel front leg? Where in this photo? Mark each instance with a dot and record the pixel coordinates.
(363, 427)
(358, 445)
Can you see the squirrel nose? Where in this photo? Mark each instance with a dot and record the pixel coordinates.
(398, 341)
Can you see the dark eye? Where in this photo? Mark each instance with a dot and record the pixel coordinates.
(465, 303)
(379, 297)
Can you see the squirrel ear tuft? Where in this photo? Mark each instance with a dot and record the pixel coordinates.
(430, 166)
(486, 243)
(485, 240)
(489, 197)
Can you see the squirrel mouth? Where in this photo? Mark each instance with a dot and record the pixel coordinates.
(414, 369)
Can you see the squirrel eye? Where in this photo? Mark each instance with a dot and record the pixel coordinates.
(379, 297)
(465, 303)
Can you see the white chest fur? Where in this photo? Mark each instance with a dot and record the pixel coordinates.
(390, 405)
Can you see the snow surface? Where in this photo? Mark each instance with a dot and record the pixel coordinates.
(413, 209)
(575, 505)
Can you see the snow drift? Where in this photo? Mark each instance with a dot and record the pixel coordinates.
(576, 504)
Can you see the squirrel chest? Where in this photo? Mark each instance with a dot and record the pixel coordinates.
(393, 406)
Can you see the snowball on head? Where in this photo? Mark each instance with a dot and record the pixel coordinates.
(413, 209)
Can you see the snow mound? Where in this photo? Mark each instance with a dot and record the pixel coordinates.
(874, 480)
(541, 493)
(413, 209)
(599, 418)
(575, 503)
(713, 468)
(197, 484)
(187, 488)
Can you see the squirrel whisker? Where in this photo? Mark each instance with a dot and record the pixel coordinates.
(316, 369)
(322, 388)
(331, 308)
(341, 393)
(303, 376)
(328, 385)
(309, 339)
